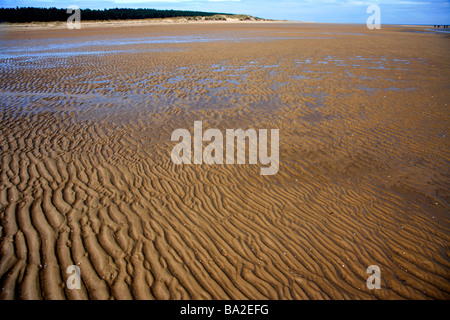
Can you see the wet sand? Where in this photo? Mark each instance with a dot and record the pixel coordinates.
(86, 177)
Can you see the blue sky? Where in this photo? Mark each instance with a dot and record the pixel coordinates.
(340, 11)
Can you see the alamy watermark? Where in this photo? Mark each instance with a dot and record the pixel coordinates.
(374, 281)
(214, 151)
(74, 280)
(74, 21)
(374, 20)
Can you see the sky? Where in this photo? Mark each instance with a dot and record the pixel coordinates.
(334, 11)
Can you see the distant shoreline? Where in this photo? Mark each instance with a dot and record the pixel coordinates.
(131, 22)
(88, 24)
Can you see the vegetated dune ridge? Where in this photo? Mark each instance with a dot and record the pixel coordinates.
(86, 176)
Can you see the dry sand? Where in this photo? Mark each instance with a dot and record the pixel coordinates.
(86, 177)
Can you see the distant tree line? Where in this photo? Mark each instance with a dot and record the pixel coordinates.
(53, 14)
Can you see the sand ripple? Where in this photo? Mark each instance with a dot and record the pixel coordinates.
(86, 177)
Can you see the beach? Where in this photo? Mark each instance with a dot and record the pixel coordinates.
(87, 179)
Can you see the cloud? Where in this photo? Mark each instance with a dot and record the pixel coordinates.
(365, 3)
(170, 1)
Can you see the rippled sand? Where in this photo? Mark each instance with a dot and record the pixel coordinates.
(86, 176)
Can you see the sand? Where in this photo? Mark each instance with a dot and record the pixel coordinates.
(86, 177)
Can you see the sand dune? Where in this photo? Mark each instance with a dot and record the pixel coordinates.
(86, 177)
